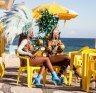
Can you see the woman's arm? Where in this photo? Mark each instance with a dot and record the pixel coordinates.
(31, 48)
(49, 46)
(21, 46)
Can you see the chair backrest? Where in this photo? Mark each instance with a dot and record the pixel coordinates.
(20, 57)
(83, 48)
(89, 51)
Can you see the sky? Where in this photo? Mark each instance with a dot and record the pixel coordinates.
(83, 26)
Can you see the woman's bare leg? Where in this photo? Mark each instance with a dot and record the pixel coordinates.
(46, 62)
(63, 61)
(42, 61)
(59, 59)
(42, 70)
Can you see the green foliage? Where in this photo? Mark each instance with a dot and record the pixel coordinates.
(47, 23)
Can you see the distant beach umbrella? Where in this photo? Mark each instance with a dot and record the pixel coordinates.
(62, 12)
(6, 4)
(16, 21)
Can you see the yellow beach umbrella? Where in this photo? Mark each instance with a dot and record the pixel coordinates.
(62, 12)
(67, 16)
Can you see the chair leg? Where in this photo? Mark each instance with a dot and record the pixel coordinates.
(44, 77)
(31, 76)
(88, 81)
(1, 70)
(28, 77)
(94, 76)
(18, 78)
(71, 72)
(65, 77)
(84, 69)
(87, 74)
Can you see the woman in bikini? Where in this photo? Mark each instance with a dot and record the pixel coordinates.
(62, 60)
(25, 48)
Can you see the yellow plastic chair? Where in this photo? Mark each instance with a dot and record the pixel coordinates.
(2, 67)
(29, 69)
(78, 61)
(75, 58)
(78, 58)
(88, 67)
(91, 70)
(78, 65)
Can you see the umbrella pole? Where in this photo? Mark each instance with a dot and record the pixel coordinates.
(64, 23)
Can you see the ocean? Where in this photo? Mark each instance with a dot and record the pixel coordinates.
(71, 44)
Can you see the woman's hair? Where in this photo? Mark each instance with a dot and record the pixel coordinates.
(22, 37)
(51, 36)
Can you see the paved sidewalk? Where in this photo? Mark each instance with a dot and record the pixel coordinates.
(8, 82)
